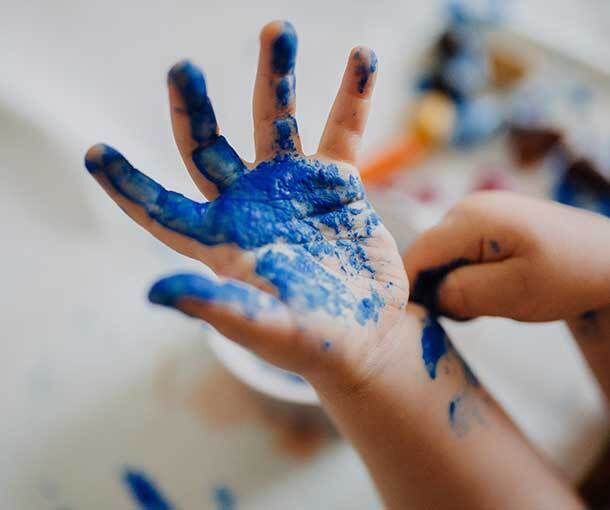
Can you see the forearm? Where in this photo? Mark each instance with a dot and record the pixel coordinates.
(432, 438)
(592, 333)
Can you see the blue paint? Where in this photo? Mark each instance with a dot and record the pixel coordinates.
(365, 67)
(495, 246)
(305, 206)
(168, 291)
(435, 344)
(224, 498)
(284, 50)
(144, 492)
(453, 405)
(190, 81)
(570, 193)
(301, 281)
(477, 120)
(326, 345)
(213, 157)
(288, 200)
(219, 163)
(427, 284)
(589, 315)
(286, 374)
(368, 308)
(284, 91)
(285, 129)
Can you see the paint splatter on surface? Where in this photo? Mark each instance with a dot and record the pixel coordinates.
(144, 491)
(224, 498)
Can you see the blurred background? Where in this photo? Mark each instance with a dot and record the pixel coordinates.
(101, 393)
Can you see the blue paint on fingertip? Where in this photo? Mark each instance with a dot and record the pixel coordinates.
(365, 67)
(435, 344)
(190, 81)
(495, 246)
(170, 290)
(100, 156)
(284, 50)
(326, 345)
(144, 491)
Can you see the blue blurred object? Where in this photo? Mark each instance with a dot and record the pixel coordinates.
(477, 120)
(477, 12)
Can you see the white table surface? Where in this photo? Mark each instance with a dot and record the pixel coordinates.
(82, 353)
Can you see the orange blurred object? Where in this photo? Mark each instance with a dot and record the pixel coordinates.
(402, 152)
(431, 125)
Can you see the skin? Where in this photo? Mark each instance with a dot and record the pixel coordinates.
(373, 374)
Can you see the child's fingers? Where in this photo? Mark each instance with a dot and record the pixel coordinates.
(491, 289)
(253, 318)
(462, 239)
(275, 128)
(210, 160)
(169, 216)
(347, 119)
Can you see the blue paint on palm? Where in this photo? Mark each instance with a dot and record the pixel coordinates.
(435, 344)
(304, 205)
(144, 492)
(290, 211)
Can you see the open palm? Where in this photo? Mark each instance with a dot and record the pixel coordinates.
(311, 268)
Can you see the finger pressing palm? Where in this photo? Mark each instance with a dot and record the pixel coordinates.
(308, 267)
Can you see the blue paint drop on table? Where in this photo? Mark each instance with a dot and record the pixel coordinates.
(224, 498)
(144, 492)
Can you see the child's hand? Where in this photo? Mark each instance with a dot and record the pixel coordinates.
(498, 253)
(315, 279)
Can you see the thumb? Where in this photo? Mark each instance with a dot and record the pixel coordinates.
(494, 288)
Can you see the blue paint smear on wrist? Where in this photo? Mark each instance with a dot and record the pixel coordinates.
(435, 344)
(144, 492)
